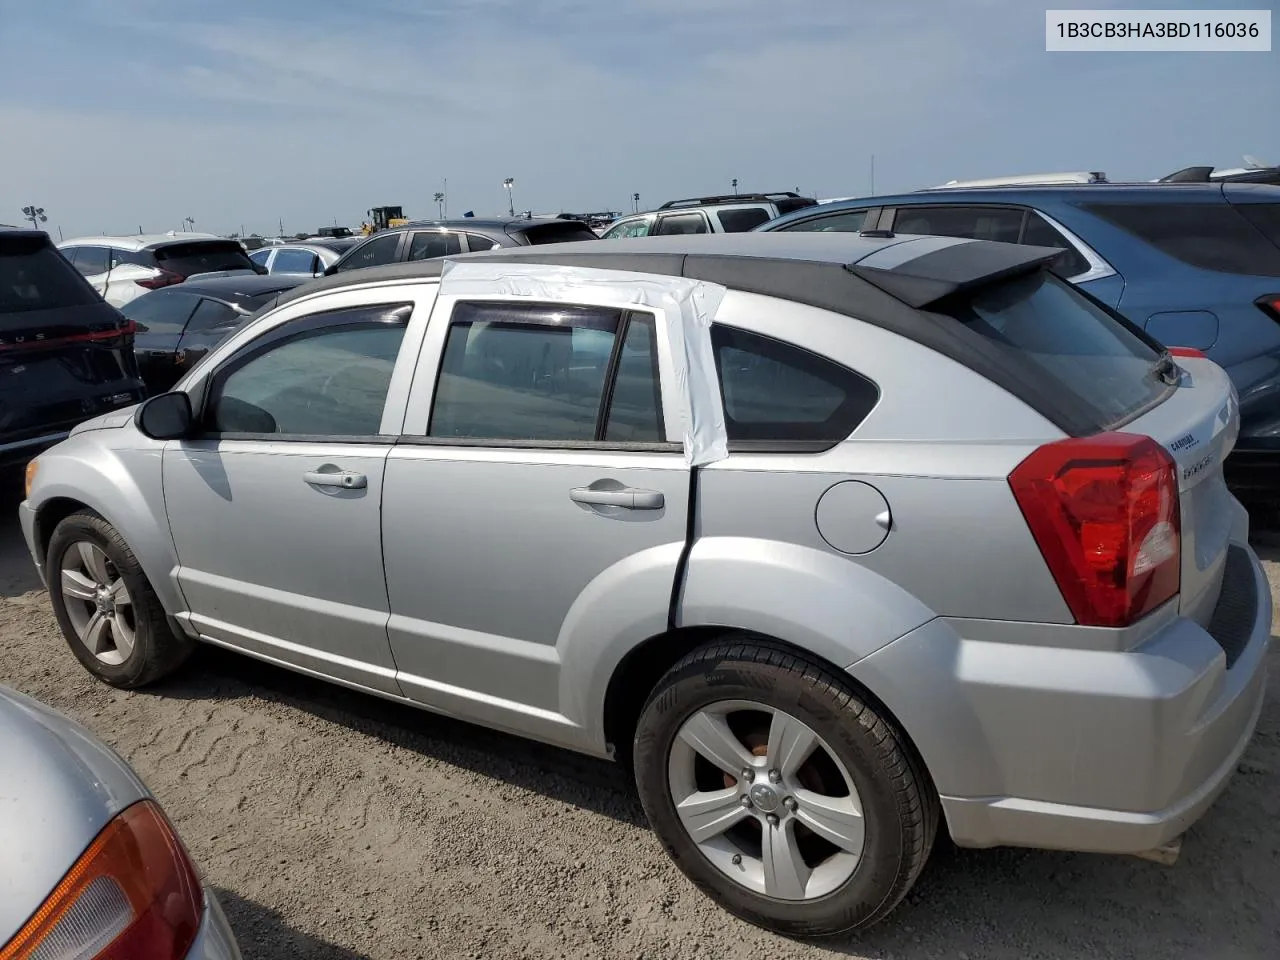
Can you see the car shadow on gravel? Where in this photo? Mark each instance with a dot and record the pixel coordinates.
(596, 785)
(262, 933)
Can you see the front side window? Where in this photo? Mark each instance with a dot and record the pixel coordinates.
(977, 223)
(682, 223)
(374, 253)
(539, 372)
(776, 393)
(430, 244)
(628, 228)
(850, 221)
(260, 257)
(328, 378)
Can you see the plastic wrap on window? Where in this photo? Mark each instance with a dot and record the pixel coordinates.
(684, 307)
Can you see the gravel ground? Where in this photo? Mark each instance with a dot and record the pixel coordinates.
(337, 826)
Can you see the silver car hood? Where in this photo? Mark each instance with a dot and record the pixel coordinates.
(59, 786)
(107, 421)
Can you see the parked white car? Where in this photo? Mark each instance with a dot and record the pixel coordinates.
(734, 213)
(122, 268)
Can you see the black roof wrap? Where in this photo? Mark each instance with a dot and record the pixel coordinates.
(818, 270)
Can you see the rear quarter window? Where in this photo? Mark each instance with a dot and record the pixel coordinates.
(742, 221)
(1210, 236)
(562, 232)
(1265, 217)
(780, 396)
(34, 276)
(1050, 336)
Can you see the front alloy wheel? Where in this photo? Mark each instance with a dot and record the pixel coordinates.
(98, 603)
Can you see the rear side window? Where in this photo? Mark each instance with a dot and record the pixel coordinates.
(741, 221)
(1046, 333)
(34, 276)
(476, 243)
(210, 314)
(160, 312)
(979, 223)
(188, 259)
(850, 221)
(1210, 236)
(682, 223)
(779, 395)
(430, 244)
(1039, 233)
(1264, 216)
(533, 372)
(563, 231)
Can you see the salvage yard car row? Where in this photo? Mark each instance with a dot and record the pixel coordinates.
(819, 613)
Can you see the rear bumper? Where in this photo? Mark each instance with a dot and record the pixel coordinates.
(1109, 751)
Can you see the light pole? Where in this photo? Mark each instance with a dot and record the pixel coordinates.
(189, 223)
(734, 181)
(635, 203)
(511, 204)
(35, 215)
(439, 199)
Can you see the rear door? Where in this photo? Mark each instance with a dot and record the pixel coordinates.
(537, 473)
(432, 244)
(679, 224)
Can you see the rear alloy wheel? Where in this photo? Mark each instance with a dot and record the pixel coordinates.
(108, 612)
(779, 792)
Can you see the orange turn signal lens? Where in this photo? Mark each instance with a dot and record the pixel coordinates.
(33, 467)
(133, 894)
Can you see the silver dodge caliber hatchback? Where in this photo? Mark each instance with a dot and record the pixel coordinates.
(832, 538)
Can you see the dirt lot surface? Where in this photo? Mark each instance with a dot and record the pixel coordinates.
(335, 825)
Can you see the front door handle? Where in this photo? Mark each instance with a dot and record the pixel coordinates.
(347, 479)
(630, 498)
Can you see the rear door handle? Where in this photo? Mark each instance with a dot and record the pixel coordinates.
(347, 479)
(630, 498)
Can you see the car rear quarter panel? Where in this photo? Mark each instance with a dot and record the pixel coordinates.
(938, 446)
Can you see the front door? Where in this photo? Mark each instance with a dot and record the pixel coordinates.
(275, 510)
(537, 489)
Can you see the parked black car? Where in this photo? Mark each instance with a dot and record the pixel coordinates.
(176, 326)
(429, 239)
(65, 354)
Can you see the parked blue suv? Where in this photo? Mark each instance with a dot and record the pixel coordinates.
(1196, 264)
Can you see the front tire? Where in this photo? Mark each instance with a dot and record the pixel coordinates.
(780, 792)
(108, 612)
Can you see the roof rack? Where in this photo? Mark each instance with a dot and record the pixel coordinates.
(736, 198)
(1029, 179)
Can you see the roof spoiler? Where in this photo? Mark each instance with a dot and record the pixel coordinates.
(943, 268)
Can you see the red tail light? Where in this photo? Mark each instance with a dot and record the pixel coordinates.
(133, 895)
(166, 279)
(1271, 304)
(1191, 352)
(52, 339)
(1104, 512)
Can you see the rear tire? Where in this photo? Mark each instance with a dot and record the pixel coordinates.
(837, 817)
(108, 612)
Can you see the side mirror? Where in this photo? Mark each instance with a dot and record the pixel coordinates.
(165, 417)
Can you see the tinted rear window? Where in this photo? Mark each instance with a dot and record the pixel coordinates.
(1048, 333)
(34, 276)
(1213, 236)
(565, 232)
(187, 259)
(1264, 216)
(740, 221)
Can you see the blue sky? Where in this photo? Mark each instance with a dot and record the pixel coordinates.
(126, 113)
